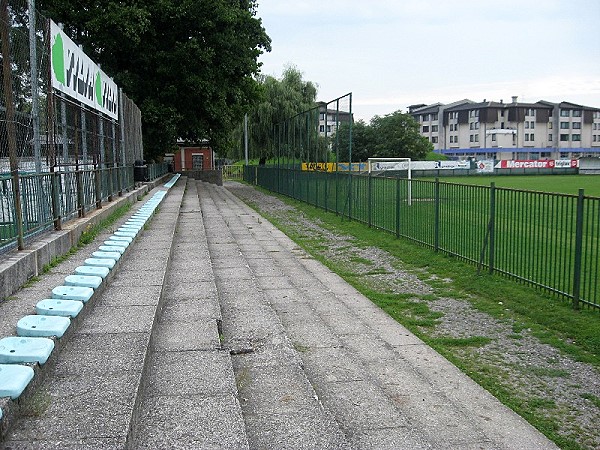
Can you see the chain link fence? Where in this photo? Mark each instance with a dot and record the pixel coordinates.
(58, 157)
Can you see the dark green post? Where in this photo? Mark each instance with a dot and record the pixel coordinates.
(397, 207)
(370, 200)
(492, 226)
(436, 220)
(578, 250)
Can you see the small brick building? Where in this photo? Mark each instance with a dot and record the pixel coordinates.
(193, 157)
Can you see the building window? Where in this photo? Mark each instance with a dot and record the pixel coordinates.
(532, 124)
(472, 138)
(493, 138)
(476, 138)
(329, 128)
(576, 137)
(577, 125)
(565, 113)
(530, 112)
(502, 125)
(576, 113)
(474, 113)
(434, 139)
(526, 137)
(564, 125)
(425, 118)
(564, 138)
(526, 125)
(322, 128)
(434, 117)
(434, 128)
(471, 126)
(545, 154)
(425, 128)
(550, 137)
(549, 125)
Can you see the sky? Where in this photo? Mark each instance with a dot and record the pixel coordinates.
(394, 53)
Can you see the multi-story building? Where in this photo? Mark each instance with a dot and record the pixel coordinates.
(330, 119)
(498, 130)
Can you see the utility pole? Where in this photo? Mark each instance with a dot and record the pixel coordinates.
(246, 137)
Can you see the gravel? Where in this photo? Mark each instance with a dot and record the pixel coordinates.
(548, 383)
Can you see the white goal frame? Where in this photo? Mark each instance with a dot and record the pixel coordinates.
(393, 164)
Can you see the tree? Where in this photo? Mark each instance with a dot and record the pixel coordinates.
(397, 135)
(280, 100)
(190, 65)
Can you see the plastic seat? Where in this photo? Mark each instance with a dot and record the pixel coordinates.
(14, 379)
(55, 307)
(42, 326)
(106, 255)
(25, 350)
(100, 262)
(112, 248)
(123, 244)
(83, 281)
(93, 271)
(83, 294)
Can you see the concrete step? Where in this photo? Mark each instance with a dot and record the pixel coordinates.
(189, 398)
(382, 386)
(279, 405)
(87, 398)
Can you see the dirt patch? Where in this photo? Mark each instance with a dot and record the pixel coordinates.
(547, 382)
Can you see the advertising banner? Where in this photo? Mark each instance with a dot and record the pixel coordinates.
(77, 76)
(485, 166)
(537, 164)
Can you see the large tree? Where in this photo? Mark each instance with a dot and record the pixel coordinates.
(397, 135)
(190, 65)
(280, 100)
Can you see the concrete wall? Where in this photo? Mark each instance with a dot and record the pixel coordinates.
(210, 176)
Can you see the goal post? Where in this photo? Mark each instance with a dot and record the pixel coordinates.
(393, 164)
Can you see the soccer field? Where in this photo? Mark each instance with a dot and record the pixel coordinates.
(564, 184)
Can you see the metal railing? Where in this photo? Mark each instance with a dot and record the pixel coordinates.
(51, 198)
(551, 241)
(233, 172)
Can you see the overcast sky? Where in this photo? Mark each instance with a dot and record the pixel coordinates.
(395, 53)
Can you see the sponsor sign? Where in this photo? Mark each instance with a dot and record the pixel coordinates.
(485, 166)
(421, 165)
(318, 166)
(77, 76)
(537, 164)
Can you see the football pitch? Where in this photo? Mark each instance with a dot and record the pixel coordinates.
(563, 184)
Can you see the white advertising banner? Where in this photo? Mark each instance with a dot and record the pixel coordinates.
(485, 166)
(420, 165)
(76, 75)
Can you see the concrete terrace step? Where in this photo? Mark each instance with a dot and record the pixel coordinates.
(190, 396)
(382, 386)
(87, 398)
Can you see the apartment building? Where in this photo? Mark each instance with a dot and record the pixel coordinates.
(515, 130)
(330, 119)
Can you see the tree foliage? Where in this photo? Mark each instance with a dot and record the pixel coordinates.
(190, 65)
(280, 99)
(394, 135)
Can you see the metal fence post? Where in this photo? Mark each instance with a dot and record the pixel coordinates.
(492, 227)
(578, 250)
(397, 207)
(369, 201)
(436, 219)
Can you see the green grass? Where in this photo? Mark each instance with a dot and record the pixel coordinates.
(563, 184)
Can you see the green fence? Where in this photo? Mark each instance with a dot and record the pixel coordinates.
(551, 241)
(51, 198)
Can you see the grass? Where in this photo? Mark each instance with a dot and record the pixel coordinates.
(562, 184)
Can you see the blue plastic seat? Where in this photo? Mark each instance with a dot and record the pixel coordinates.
(42, 326)
(93, 271)
(112, 248)
(55, 307)
(106, 255)
(90, 281)
(127, 239)
(14, 379)
(15, 349)
(100, 262)
(83, 294)
(123, 244)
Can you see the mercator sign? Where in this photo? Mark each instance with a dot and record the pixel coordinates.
(76, 75)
